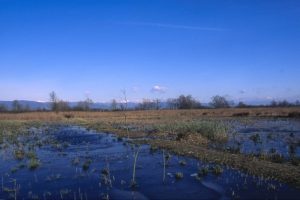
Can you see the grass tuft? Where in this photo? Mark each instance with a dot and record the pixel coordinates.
(178, 175)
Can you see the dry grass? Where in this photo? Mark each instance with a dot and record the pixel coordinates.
(153, 116)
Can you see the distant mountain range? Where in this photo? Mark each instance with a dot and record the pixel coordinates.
(34, 105)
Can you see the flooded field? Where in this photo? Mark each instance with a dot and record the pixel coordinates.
(70, 162)
(278, 138)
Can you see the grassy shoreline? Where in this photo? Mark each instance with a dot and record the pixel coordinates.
(162, 129)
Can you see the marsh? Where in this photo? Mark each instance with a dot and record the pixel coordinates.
(76, 163)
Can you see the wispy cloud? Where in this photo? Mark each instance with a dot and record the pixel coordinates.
(174, 26)
(159, 89)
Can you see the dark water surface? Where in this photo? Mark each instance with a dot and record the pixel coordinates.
(72, 160)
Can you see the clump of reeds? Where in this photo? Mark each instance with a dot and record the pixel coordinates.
(33, 163)
(217, 170)
(133, 181)
(214, 131)
(178, 175)
(203, 171)
(19, 154)
(86, 164)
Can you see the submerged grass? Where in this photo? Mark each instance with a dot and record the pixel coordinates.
(281, 171)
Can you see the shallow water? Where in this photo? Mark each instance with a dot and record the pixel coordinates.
(64, 150)
(280, 136)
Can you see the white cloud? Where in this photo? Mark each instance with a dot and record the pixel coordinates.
(159, 89)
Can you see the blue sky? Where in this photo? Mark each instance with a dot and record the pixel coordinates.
(246, 50)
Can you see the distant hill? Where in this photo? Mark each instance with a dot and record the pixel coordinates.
(34, 105)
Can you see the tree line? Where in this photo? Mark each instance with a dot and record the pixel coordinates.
(57, 104)
(182, 102)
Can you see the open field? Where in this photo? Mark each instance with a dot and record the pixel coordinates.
(159, 115)
(263, 142)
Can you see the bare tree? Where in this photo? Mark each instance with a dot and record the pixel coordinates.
(284, 103)
(84, 105)
(125, 104)
(220, 102)
(54, 101)
(187, 102)
(89, 103)
(114, 105)
(146, 104)
(16, 106)
(242, 105)
(273, 103)
(124, 108)
(63, 105)
(172, 103)
(157, 104)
